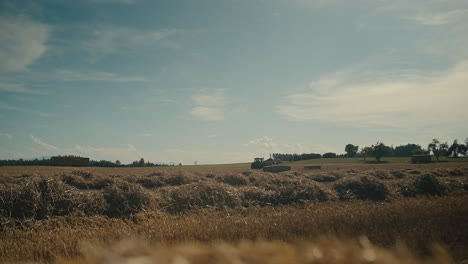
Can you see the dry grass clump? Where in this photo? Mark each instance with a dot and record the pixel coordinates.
(43, 197)
(322, 250)
(124, 199)
(299, 191)
(85, 180)
(380, 174)
(157, 180)
(233, 179)
(255, 196)
(362, 188)
(426, 184)
(200, 195)
(326, 177)
(399, 174)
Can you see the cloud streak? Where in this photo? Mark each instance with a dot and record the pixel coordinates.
(107, 40)
(44, 145)
(23, 110)
(70, 75)
(17, 88)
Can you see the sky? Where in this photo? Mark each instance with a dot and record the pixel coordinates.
(224, 81)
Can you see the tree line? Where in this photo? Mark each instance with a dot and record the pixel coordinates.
(92, 163)
(379, 150)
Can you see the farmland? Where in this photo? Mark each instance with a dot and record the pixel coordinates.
(345, 212)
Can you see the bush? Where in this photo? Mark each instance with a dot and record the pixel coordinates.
(364, 188)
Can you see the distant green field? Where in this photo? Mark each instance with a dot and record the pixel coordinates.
(329, 160)
(371, 159)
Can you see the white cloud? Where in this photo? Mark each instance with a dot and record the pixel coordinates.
(268, 145)
(438, 18)
(9, 136)
(209, 100)
(44, 145)
(208, 107)
(213, 136)
(69, 75)
(23, 41)
(208, 113)
(416, 101)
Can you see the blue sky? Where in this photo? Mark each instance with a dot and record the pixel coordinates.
(220, 81)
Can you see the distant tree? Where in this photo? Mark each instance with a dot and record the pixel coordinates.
(379, 150)
(329, 155)
(118, 163)
(366, 152)
(456, 148)
(437, 148)
(141, 163)
(351, 150)
(407, 150)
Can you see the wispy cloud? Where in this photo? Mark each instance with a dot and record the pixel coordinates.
(107, 40)
(208, 107)
(23, 41)
(44, 145)
(70, 75)
(9, 107)
(438, 18)
(128, 2)
(416, 101)
(212, 136)
(146, 135)
(128, 152)
(9, 136)
(17, 88)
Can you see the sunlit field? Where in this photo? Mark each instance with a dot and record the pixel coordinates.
(345, 212)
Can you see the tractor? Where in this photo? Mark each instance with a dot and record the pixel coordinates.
(259, 163)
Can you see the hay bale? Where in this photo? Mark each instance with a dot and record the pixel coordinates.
(313, 167)
(276, 169)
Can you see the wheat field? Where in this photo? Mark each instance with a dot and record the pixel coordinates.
(344, 213)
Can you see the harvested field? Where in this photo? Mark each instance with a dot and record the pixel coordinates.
(48, 213)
